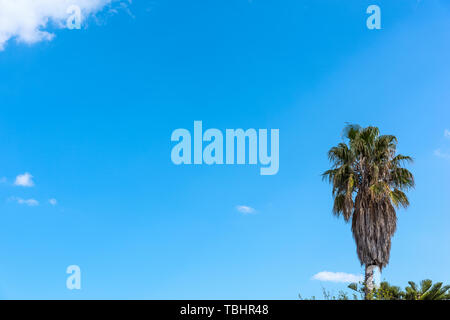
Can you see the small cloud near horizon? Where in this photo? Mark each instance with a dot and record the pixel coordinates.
(53, 201)
(245, 209)
(28, 202)
(337, 277)
(24, 180)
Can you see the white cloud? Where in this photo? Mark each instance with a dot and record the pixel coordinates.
(24, 180)
(29, 21)
(53, 202)
(245, 209)
(337, 277)
(28, 202)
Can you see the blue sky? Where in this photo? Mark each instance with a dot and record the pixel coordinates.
(89, 115)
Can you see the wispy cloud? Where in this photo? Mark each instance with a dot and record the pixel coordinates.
(29, 21)
(28, 202)
(441, 154)
(447, 133)
(337, 277)
(24, 180)
(245, 209)
(53, 202)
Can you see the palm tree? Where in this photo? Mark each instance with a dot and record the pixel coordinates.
(369, 181)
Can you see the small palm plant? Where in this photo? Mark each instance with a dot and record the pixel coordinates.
(369, 181)
(427, 291)
(385, 291)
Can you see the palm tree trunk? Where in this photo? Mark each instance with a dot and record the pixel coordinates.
(369, 283)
